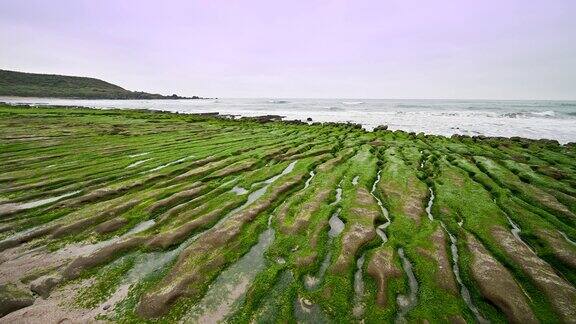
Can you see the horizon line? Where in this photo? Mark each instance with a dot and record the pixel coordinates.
(273, 97)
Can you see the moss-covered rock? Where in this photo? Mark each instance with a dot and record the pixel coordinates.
(13, 298)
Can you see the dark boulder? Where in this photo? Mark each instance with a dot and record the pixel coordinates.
(13, 298)
(44, 285)
(381, 128)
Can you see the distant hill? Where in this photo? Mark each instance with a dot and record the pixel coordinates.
(21, 84)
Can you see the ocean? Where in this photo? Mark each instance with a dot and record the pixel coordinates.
(525, 118)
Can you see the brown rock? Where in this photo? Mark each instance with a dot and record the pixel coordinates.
(44, 285)
(302, 218)
(205, 166)
(12, 242)
(561, 249)
(235, 168)
(381, 267)
(111, 225)
(352, 240)
(178, 235)
(305, 260)
(444, 274)
(411, 196)
(498, 285)
(377, 142)
(155, 304)
(456, 319)
(560, 293)
(106, 214)
(101, 256)
(174, 199)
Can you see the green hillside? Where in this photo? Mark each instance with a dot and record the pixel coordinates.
(21, 84)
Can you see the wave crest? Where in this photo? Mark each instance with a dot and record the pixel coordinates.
(352, 103)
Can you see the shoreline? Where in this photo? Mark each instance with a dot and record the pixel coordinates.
(535, 120)
(280, 119)
(110, 98)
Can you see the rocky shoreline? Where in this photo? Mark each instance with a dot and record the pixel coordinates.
(136, 215)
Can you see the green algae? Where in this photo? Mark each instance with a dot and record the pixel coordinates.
(478, 184)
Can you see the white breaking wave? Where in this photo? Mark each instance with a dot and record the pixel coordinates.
(530, 119)
(549, 113)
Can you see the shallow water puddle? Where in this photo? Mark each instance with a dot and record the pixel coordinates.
(336, 227)
(380, 230)
(358, 310)
(338, 194)
(430, 202)
(515, 229)
(137, 163)
(239, 191)
(74, 250)
(268, 311)
(567, 238)
(154, 261)
(455, 266)
(140, 227)
(516, 233)
(12, 207)
(231, 285)
(421, 163)
(258, 193)
(46, 201)
(312, 282)
(138, 154)
(307, 312)
(406, 302)
(336, 224)
(456, 270)
(288, 169)
(160, 167)
(137, 272)
(307, 184)
(145, 264)
(86, 249)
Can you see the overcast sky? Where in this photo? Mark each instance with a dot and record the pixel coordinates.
(489, 49)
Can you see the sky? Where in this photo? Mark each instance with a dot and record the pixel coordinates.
(414, 49)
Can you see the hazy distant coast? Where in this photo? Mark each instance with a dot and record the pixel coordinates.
(19, 84)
